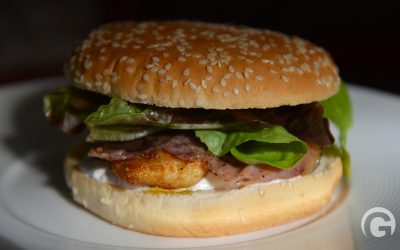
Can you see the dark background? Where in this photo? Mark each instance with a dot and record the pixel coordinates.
(362, 36)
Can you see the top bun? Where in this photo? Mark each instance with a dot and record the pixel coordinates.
(202, 65)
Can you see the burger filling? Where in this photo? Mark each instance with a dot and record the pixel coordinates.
(173, 148)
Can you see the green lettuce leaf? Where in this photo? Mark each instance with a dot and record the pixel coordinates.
(119, 133)
(274, 145)
(338, 110)
(120, 112)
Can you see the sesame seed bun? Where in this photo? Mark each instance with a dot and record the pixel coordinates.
(205, 213)
(202, 65)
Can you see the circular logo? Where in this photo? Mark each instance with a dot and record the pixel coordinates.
(381, 222)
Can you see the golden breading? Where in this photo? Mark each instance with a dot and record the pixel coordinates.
(160, 169)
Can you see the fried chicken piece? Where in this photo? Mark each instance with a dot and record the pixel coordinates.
(160, 168)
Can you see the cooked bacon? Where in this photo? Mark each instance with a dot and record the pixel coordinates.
(185, 147)
(264, 173)
(181, 145)
(119, 150)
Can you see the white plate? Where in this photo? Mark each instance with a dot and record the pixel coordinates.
(36, 210)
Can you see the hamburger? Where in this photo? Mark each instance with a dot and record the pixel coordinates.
(198, 129)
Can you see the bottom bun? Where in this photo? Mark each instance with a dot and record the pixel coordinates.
(205, 213)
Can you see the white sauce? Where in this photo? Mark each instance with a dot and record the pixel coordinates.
(100, 171)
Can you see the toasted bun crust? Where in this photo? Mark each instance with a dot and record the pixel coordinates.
(202, 65)
(204, 213)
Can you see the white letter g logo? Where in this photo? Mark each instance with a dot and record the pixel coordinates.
(380, 225)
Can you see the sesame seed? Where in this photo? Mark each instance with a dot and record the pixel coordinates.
(167, 66)
(187, 82)
(130, 70)
(248, 69)
(155, 59)
(88, 64)
(161, 71)
(231, 69)
(259, 77)
(180, 48)
(149, 66)
(209, 69)
(193, 86)
(285, 78)
(235, 91)
(168, 78)
(123, 58)
(136, 47)
(106, 72)
(204, 84)
(246, 75)
(163, 80)
(174, 84)
(247, 87)
(226, 93)
(284, 69)
(142, 96)
(155, 69)
(266, 61)
(273, 71)
(106, 87)
(254, 54)
(227, 75)
(114, 79)
(239, 75)
(146, 77)
(98, 77)
(222, 82)
(203, 61)
(208, 78)
(306, 67)
(181, 59)
(186, 72)
(165, 54)
(266, 47)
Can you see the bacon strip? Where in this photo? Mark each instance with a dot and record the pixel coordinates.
(235, 174)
